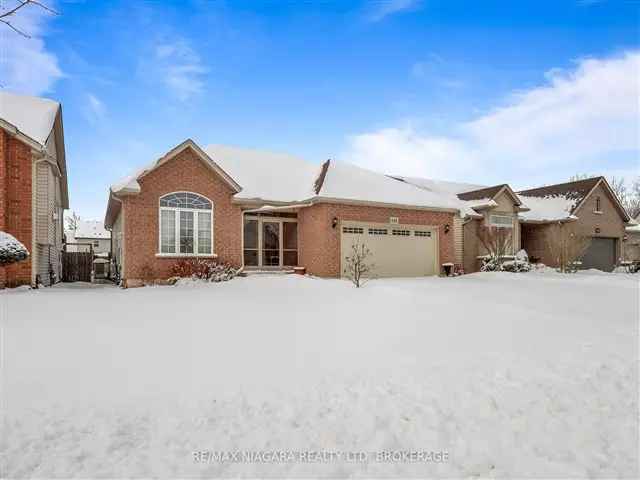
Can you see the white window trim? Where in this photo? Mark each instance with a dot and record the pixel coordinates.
(500, 225)
(177, 211)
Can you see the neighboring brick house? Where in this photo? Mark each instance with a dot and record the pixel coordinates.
(33, 186)
(589, 207)
(262, 210)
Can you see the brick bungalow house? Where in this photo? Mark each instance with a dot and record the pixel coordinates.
(263, 210)
(33, 186)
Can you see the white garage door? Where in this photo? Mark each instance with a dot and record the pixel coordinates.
(397, 250)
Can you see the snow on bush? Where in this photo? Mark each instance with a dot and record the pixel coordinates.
(520, 263)
(200, 269)
(11, 249)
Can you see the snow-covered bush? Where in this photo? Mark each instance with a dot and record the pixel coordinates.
(490, 264)
(202, 269)
(519, 264)
(11, 249)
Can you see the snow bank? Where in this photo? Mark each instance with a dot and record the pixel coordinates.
(33, 116)
(542, 383)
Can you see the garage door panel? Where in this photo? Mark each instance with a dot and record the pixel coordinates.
(397, 251)
(601, 254)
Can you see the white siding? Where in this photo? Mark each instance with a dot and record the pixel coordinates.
(48, 219)
(117, 237)
(458, 242)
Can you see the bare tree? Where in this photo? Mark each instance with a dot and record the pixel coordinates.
(72, 221)
(6, 16)
(619, 188)
(496, 242)
(358, 268)
(633, 199)
(567, 246)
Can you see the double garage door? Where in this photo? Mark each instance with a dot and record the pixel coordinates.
(397, 250)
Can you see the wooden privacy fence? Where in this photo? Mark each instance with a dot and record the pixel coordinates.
(76, 266)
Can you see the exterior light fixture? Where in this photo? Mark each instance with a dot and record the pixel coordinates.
(334, 222)
(597, 229)
(446, 228)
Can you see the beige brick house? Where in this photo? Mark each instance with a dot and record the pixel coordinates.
(589, 207)
(33, 186)
(262, 210)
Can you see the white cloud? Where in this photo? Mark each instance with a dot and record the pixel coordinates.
(181, 68)
(578, 116)
(26, 66)
(95, 109)
(384, 8)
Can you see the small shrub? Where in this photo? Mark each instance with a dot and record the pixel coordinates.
(358, 268)
(11, 250)
(202, 269)
(495, 264)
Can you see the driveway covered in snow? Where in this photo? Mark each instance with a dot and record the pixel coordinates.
(520, 375)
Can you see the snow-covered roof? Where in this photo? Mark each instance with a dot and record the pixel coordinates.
(281, 178)
(545, 209)
(266, 175)
(441, 186)
(91, 229)
(32, 116)
(349, 182)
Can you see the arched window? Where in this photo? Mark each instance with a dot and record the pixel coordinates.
(186, 224)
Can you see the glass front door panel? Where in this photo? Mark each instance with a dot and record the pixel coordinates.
(271, 244)
(251, 243)
(290, 244)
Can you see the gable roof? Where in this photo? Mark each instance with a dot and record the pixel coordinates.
(32, 116)
(129, 184)
(575, 193)
(487, 192)
(576, 190)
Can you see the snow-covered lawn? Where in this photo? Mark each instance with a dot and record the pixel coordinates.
(512, 375)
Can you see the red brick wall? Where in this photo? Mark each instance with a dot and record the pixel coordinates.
(185, 172)
(319, 247)
(16, 204)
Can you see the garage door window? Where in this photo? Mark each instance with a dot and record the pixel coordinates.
(377, 231)
(356, 230)
(421, 233)
(402, 233)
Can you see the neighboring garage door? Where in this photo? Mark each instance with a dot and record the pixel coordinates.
(397, 250)
(601, 254)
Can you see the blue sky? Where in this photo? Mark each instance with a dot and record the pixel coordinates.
(483, 92)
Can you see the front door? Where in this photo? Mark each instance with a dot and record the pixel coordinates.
(270, 241)
(271, 244)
